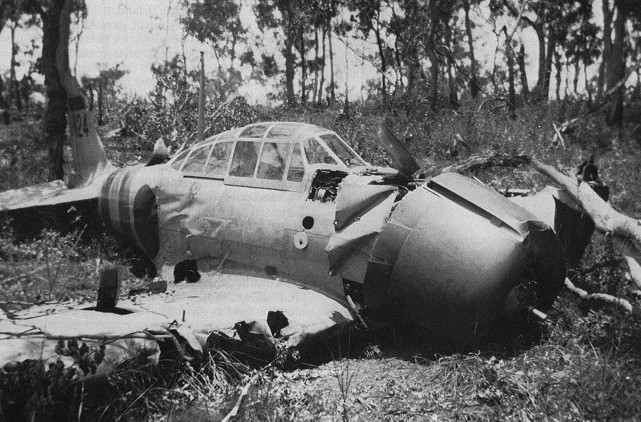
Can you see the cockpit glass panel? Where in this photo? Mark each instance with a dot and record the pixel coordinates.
(245, 158)
(282, 130)
(217, 164)
(342, 151)
(296, 171)
(272, 162)
(315, 152)
(178, 162)
(256, 131)
(196, 161)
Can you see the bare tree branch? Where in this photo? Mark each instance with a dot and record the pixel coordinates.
(621, 303)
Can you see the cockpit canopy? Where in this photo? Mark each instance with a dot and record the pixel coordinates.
(273, 151)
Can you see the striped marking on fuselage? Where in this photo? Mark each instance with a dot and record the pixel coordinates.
(115, 204)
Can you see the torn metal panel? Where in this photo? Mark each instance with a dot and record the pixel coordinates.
(454, 185)
(389, 244)
(361, 211)
(355, 199)
(558, 209)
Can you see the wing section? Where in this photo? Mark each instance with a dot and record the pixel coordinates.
(243, 312)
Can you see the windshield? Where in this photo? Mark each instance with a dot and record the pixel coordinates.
(342, 151)
(316, 153)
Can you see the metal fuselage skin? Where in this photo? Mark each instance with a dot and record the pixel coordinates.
(443, 259)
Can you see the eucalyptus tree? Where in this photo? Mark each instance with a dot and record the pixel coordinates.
(550, 20)
(582, 48)
(285, 19)
(474, 79)
(616, 16)
(217, 23)
(48, 13)
(368, 15)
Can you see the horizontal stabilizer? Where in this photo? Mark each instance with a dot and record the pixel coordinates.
(46, 194)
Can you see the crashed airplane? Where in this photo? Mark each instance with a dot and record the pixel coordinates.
(282, 230)
(281, 217)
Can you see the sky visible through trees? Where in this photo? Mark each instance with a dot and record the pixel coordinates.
(390, 45)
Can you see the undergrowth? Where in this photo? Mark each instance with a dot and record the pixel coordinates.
(55, 267)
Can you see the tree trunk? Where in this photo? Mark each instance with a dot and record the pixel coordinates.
(551, 47)
(525, 89)
(433, 57)
(588, 88)
(433, 83)
(3, 103)
(399, 68)
(474, 83)
(346, 104)
(537, 92)
(303, 69)
(14, 91)
(566, 89)
(510, 73)
(540, 35)
(332, 85)
(381, 53)
(607, 45)
(575, 82)
(322, 70)
(557, 74)
(615, 71)
(451, 72)
(288, 18)
(412, 73)
(54, 120)
(316, 60)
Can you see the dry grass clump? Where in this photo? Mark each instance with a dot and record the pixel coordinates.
(23, 155)
(53, 266)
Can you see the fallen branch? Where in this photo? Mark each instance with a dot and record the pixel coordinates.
(243, 393)
(558, 135)
(489, 100)
(625, 231)
(483, 162)
(617, 301)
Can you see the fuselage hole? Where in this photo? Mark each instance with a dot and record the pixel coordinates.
(308, 222)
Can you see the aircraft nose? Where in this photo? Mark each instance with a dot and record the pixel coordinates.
(451, 278)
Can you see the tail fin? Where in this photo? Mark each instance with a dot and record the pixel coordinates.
(89, 157)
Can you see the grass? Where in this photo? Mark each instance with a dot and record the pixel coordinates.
(587, 365)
